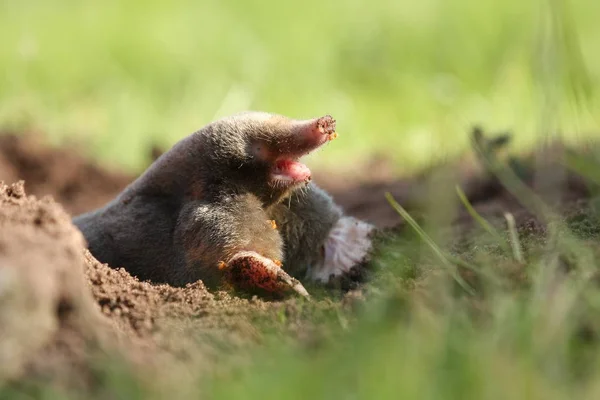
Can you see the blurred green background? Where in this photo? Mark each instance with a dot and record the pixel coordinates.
(403, 78)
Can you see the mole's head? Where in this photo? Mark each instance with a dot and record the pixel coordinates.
(260, 152)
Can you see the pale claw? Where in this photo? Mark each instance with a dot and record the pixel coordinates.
(348, 245)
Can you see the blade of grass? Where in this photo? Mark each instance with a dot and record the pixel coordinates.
(427, 239)
(515, 186)
(514, 238)
(477, 217)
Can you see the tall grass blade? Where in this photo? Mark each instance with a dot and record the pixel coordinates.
(427, 239)
(514, 238)
(480, 220)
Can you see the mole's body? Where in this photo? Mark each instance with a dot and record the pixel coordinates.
(233, 188)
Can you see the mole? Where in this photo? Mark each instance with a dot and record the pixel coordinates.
(231, 205)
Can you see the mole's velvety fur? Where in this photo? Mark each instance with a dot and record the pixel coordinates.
(234, 187)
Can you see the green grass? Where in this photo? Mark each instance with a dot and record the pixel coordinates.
(403, 78)
(427, 338)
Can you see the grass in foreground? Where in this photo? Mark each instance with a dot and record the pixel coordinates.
(516, 324)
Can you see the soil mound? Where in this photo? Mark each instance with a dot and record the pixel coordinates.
(46, 311)
(61, 311)
(143, 310)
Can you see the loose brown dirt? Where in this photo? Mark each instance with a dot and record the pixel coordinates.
(61, 310)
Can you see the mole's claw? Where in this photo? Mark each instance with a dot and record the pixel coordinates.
(348, 244)
(250, 272)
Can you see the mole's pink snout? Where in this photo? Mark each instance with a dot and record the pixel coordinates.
(313, 133)
(305, 136)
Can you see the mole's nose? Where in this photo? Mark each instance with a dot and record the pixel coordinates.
(307, 135)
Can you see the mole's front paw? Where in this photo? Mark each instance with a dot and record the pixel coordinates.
(252, 273)
(348, 245)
